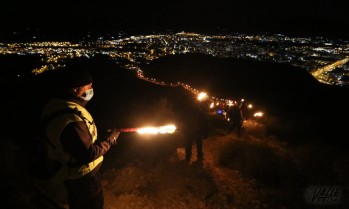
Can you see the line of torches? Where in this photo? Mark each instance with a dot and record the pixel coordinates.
(170, 128)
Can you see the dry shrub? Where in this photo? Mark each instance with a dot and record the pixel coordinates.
(321, 163)
(259, 161)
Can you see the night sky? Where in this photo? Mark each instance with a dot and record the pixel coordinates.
(297, 16)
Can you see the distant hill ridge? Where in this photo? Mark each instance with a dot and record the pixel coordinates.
(233, 78)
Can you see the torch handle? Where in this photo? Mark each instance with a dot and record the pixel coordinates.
(126, 130)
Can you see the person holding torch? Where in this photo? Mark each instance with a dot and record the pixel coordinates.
(73, 140)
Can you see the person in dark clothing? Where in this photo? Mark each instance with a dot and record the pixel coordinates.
(195, 130)
(74, 142)
(235, 118)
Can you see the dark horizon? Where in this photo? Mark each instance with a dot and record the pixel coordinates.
(71, 33)
(299, 18)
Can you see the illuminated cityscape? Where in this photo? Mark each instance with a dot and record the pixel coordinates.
(327, 60)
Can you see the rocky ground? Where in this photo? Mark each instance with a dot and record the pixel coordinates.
(168, 181)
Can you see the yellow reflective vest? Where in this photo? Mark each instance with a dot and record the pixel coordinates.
(54, 128)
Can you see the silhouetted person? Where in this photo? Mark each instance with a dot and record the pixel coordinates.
(244, 110)
(195, 130)
(236, 119)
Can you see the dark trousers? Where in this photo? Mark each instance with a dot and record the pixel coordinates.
(190, 139)
(85, 192)
(237, 124)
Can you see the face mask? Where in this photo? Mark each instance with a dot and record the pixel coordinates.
(87, 95)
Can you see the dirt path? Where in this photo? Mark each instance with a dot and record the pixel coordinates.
(172, 182)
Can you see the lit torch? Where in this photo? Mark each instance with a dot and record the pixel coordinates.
(202, 96)
(258, 114)
(167, 129)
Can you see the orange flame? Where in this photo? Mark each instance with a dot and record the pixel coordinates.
(166, 129)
